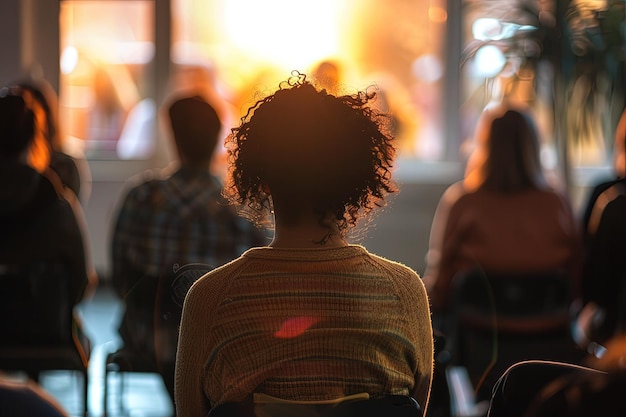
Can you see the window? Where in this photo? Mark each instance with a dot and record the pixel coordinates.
(106, 92)
(245, 46)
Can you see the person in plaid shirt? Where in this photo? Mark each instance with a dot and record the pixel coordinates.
(169, 218)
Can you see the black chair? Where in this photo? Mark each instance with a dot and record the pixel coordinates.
(392, 406)
(500, 319)
(159, 306)
(39, 331)
(124, 361)
(522, 384)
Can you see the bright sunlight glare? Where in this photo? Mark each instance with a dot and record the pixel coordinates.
(287, 33)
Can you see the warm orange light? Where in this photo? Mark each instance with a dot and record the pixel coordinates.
(291, 36)
(437, 14)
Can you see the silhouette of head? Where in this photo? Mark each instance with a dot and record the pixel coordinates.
(195, 126)
(507, 154)
(312, 151)
(17, 123)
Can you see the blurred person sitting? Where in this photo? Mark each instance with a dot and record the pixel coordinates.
(27, 399)
(37, 223)
(604, 234)
(49, 149)
(168, 218)
(503, 216)
(503, 219)
(309, 320)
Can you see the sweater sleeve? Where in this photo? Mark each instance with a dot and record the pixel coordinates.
(419, 313)
(442, 247)
(190, 400)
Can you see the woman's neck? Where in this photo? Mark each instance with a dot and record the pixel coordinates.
(307, 232)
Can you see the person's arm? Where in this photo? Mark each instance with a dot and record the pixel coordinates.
(191, 354)
(425, 344)
(436, 275)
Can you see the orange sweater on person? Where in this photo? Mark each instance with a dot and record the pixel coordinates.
(528, 231)
(304, 324)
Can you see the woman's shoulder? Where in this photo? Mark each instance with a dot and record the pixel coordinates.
(456, 194)
(397, 270)
(220, 275)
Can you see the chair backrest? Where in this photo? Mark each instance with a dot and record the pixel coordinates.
(171, 292)
(499, 319)
(581, 395)
(389, 406)
(35, 304)
(523, 381)
(513, 302)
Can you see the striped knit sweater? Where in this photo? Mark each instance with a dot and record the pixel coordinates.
(304, 324)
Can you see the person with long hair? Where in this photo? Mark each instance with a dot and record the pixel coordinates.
(39, 224)
(503, 216)
(48, 153)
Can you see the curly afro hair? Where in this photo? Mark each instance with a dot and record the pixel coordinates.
(332, 153)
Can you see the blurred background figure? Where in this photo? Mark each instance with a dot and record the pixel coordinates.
(604, 231)
(503, 216)
(27, 399)
(136, 139)
(73, 171)
(502, 220)
(168, 218)
(202, 80)
(38, 223)
(110, 110)
(329, 75)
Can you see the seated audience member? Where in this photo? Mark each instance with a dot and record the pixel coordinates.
(37, 223)
(73, 173)
(503, 216)
(169, 218)
(604, 235)
(311, 318)
(27, 399)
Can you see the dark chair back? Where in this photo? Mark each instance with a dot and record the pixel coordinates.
(35, 302)
(390, 406)
(499, 319)
(521, 383)
(150, 326)
(582, 395)
(39, 331)
(513, 302)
